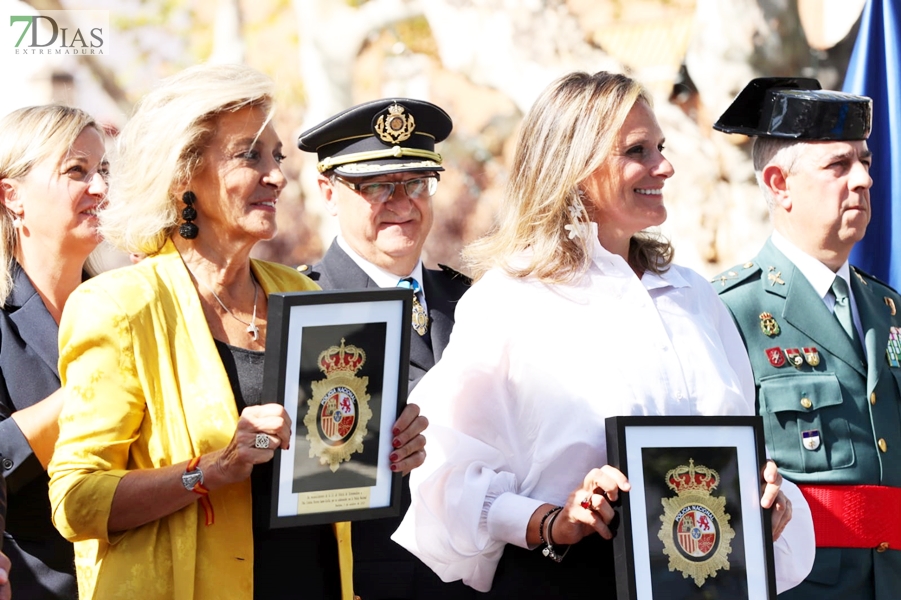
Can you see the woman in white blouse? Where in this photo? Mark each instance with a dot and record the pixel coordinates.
(577, 315)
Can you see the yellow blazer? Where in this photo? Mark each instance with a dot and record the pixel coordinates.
(146, 388)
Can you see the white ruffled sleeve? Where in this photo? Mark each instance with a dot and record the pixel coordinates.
(795, 549)
(467, 501)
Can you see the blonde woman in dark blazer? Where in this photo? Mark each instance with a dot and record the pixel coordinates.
(52, 184)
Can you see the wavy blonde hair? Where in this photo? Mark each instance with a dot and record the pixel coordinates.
(160, 149)
(566, 136)
(28, 136)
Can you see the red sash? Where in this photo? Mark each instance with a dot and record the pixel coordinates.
(855, 516)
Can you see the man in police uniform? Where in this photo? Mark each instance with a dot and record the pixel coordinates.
(823, 337)
(378, 171)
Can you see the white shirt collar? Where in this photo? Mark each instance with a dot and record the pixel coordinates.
(606, 260)
(381, 277)
(819, 275)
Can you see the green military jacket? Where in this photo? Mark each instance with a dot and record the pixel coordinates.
(829, 416)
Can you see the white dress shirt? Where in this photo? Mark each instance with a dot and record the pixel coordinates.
(517, 403)
(819, 275)
(380, 276)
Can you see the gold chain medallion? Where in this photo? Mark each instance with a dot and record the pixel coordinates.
(339, 409)
(395, 126)
(696, 534)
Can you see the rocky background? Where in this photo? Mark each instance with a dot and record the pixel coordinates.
(484, 61)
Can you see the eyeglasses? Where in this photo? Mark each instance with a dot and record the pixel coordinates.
(379, 192)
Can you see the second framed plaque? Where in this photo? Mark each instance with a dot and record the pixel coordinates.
(691, 527)
(338, 363)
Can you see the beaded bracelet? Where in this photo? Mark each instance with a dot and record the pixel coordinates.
(541, 524)
(549, 549)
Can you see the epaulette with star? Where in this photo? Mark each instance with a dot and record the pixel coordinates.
(863, 277)
(892, 301)
(737, 274)
(455, 274)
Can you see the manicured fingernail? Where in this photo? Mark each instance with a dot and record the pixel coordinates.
(396, 443)
(396, 431)
(393, 467)
(393, 456)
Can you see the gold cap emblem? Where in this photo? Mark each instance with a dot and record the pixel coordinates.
(396, 126)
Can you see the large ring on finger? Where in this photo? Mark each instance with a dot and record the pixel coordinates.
(261, 441)
(586, 502)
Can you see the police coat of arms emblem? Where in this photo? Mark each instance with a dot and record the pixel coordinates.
(696, 534)
(339, 409)
(396, 126)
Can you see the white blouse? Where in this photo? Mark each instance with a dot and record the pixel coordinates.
(516, 406)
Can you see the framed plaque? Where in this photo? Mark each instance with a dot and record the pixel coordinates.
(691, 527)
(338, 363)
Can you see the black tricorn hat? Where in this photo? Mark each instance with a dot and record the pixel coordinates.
(391, 135)
(796, 108)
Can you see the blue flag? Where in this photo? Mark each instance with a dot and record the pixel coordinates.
(875, 71)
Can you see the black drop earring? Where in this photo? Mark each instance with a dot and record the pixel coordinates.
(188, 229)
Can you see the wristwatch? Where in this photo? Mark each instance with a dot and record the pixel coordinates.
(193, 476)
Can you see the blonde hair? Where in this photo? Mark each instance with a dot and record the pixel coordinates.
(160, 149)
(28, 136)
(566, 136)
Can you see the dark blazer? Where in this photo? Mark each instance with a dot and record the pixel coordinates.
(2, 507)
(382, 569)
(42, 560)
(851, 405)
(443, 288)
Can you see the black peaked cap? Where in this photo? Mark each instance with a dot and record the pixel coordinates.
(390, 135)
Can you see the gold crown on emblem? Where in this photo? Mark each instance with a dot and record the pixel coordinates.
(690, 478)
(341, 359)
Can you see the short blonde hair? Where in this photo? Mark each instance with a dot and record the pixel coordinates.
(28, 136)
(160, 149)
(566, 136)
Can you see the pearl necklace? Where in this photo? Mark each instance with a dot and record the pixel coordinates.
(252, 329)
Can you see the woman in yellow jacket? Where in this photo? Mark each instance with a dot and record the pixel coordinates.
(153, 475)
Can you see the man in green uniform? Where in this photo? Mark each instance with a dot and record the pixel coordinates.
(824, 338)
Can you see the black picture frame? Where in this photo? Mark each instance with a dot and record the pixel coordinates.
(338, 362)
(675, 529)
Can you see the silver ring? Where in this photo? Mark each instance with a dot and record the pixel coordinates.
(261, 441)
